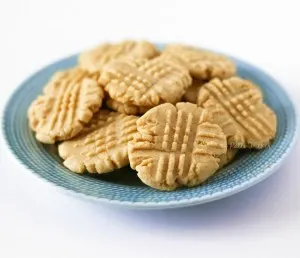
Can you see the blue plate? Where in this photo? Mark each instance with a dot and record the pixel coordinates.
(123, 186)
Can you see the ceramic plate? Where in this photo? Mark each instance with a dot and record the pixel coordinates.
(123, 186)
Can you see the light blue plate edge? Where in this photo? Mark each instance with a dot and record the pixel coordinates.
(261, 75)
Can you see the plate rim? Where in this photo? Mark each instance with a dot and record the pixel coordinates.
(161, 204)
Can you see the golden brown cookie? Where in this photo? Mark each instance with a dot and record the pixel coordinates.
(176, 145)
(143, 82)
(191, 93)
(102, 145)
(126, 108)
(227, 157)
(237, 106)
(95, 59)
(69, 101)
(202, 64)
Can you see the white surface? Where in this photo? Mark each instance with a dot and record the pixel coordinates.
(38, 221)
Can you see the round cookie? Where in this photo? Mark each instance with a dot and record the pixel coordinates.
(101, 147)
(145, 83)
(95, 59)
(176, 146)
(69, 101)
(237, 106)
(202, 64)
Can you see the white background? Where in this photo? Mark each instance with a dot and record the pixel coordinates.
(38, 221)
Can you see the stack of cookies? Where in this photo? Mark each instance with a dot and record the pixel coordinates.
(175, 116)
